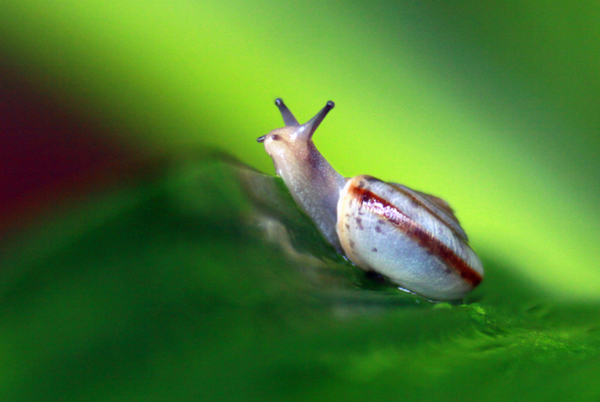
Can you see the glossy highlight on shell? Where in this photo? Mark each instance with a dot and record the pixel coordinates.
(389, 232)
(411, 237)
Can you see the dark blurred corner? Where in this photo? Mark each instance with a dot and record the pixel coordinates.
(51, 152)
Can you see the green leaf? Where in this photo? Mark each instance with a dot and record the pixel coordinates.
(206, 283)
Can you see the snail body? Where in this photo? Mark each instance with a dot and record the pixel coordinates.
(411, 237)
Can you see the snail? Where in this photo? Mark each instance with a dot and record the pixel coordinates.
(410, 237)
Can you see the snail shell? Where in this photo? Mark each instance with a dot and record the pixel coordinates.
(411, 237)
(403, 235)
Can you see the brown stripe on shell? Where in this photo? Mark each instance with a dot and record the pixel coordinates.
(416, 232)
(431, 198)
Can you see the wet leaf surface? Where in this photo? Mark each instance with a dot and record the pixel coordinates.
(205, 282)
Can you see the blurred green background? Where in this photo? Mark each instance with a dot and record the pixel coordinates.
(494, 107)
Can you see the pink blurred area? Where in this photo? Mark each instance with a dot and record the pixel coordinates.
(50, 154)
